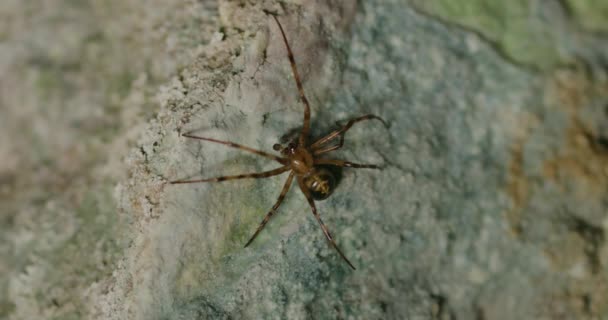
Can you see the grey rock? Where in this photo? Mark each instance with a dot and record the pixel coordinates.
(491, 203)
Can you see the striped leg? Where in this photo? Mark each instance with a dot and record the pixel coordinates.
(274, 208)
(342, 163)
(296, 76)
(340, 133)
(256, 175)
(330, 148)
(238, 146)
(311, 202)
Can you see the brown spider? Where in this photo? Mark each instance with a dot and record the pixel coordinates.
(301, 158)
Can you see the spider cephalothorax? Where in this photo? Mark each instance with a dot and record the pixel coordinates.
(301, 158)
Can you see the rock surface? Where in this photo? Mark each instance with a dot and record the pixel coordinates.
(492, 202)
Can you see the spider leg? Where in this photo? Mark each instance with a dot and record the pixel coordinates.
(330, 148)
(342, 163)
(306, 126)
(256, 175)
(238, 146)
(323, 227)
(340, 133)
(286, 187)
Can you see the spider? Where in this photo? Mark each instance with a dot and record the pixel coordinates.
(300, 158)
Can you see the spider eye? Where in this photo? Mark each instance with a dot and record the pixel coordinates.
(276, 147)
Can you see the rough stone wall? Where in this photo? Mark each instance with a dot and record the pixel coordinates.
(492, 203)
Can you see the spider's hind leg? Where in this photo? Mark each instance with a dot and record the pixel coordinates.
(311, 202)
(306, 123)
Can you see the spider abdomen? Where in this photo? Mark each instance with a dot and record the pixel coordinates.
(321, 183)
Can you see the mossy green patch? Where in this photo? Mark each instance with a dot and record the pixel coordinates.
(248, 210)
(591, 14)
(248, 207)
(89, 254)
(6, 308)
(120, 83)
(49, 81)
(517, 30)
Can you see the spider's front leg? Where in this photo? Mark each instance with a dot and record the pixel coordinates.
(292, 61)
(237, 146)
(317, 148)
(255, 175)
